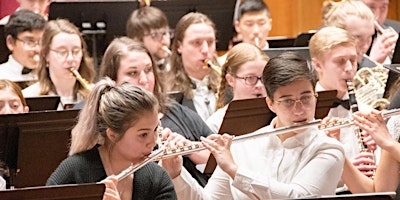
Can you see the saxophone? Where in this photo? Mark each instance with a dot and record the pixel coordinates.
(88, 86)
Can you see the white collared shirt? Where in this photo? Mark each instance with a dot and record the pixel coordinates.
(12, 70)
(204, 99)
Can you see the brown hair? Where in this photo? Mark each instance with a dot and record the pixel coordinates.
(86, 68)
(143, 20)
(178, 79)
(13, 87)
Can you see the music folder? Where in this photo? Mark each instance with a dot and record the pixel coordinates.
(248, 115)
(42, 103)
(92, 191)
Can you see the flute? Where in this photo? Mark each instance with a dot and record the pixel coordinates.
(197, 146)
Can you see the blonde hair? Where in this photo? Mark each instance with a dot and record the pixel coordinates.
(236, 57)
(327, 38)
(109, 106)
(14, 88)
(336, 13)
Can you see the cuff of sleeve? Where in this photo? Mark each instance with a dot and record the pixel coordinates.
(243, 181)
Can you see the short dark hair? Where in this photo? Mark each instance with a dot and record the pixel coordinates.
(24, 20)
(144, 19)
(252, 6)
(284, 69)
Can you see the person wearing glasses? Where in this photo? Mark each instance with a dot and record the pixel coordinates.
(23, 34)
(149, 25)
(294, 164)
(63, 49)
(193, 47)
(240, 79)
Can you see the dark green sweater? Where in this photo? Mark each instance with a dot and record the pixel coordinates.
(150, 182)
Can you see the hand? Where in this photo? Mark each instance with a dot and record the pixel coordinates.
(173, 140)
(373, 124)
(384, 46)
(328, 122)
(219, 146)
(172, 165)
(111, 192)
(365, 163)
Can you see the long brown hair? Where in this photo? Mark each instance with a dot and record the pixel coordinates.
(86, 68)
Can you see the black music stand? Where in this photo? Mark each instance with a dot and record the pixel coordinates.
(60, 192)
(99, 21)
(33, 144)
(304, 52)
(324, 103)
(242, 117)
(303, 39)
(42, 103)
(219, 11)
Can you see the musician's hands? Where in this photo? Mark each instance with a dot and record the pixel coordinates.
(364, 162)
(173, 165)
(384, 46)
(219, 146)
(173, 140)
(374, 127)
(111, 192)
(328, 122)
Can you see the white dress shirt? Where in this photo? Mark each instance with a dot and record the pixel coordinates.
(204, 99)
(307, 164)
(12, 70)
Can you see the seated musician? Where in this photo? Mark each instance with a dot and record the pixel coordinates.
(193, 45)
(240, 79)
(23, 34)
(63, 48)
(117, 128)
(294, 164)
(11, 99)
(334, 57)
(129, 61)
(11, 102)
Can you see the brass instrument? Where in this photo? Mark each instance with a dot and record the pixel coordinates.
(208, 64)
(88, 86)
(257, 41)
(370, 85)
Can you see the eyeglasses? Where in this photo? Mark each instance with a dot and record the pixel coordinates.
(305, 100)
(250, 80)
(29, 44)
(63, 53)
(158, 35)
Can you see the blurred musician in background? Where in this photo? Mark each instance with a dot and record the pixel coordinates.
(355, 17)
(129, 61)
(254, 22)
(63, 48)
(117, 128)
(11, 99)
(23, 34)
(295, 164)
(334, 57)
(36, 6)
(193, 47)
(240, 79)
(383, 44)
(150, 26)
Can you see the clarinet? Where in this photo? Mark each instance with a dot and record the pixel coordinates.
(362, 147)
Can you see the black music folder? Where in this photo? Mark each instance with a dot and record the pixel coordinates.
(33, 144)
(42, 103)
(92, 191)
(324, 103)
